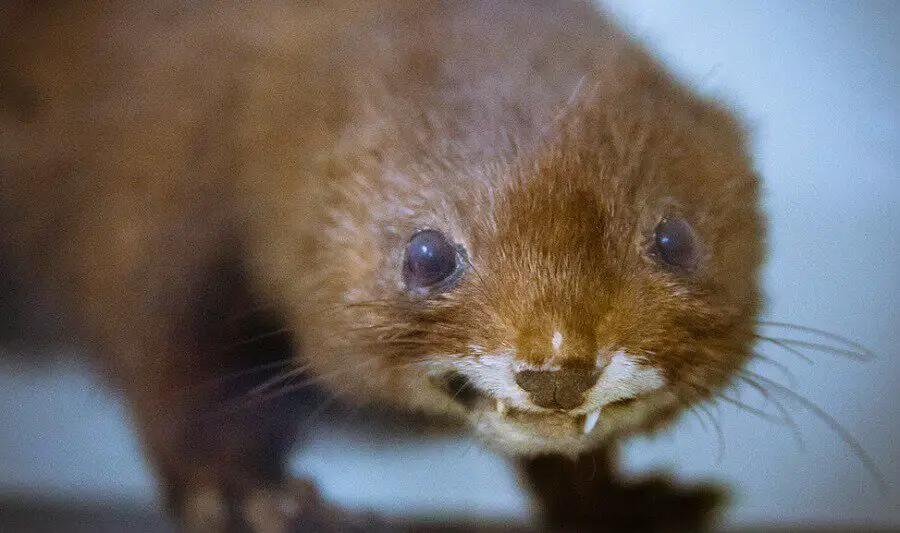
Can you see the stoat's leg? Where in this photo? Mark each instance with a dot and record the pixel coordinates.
(587, 495)
(206, 385)
(221, 467)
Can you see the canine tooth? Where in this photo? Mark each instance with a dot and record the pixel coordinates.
(502, 408)
(590, 421)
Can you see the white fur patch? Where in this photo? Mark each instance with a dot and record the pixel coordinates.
(519, 427)
(623, 378)
(493, 373)
(557, 341)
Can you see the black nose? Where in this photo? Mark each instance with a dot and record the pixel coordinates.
(557, 389)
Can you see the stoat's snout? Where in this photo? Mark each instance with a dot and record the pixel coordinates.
(461, 390)
(526, 408)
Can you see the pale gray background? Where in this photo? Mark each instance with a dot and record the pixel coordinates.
(819, 83)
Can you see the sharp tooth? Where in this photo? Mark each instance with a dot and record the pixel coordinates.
(590, 421)
(502, 408)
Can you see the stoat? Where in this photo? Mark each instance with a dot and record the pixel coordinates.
(506, 214)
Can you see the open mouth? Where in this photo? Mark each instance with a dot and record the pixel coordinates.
(463, 391)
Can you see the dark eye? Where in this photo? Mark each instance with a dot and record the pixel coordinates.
(430, 260)
(676, 243)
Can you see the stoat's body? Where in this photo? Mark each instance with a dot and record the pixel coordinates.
(504, 212)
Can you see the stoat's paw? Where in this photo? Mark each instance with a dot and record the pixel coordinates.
(651, 505)
(293, 506)
(659, 504)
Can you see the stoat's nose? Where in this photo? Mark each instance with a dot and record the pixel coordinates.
(558, 389)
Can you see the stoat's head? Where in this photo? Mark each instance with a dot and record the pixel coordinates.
(594, 286)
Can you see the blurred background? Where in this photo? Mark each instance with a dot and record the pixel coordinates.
(819, 82)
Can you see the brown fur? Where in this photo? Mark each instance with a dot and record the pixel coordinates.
(167, 166)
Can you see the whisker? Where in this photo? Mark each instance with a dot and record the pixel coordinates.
(277, 380)
(795, 430)
(466, 386)
(835, 426)
(693, 410)
(827, 334)
(375, 327)
(220, 380)
(248, 400)
(240, 315)
(792, 379)
(700, 388)
(398, 342)
(787, 348)
(784, 419)
(720, 434)
(767, 387)
(752, 410)
(384, 302)
(255, 338)
(475, 430)
(824, 348)
(320, 378)
(319, 410)
(698, 402)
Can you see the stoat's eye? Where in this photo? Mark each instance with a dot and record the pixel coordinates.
(676, 243)
(431, 262)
